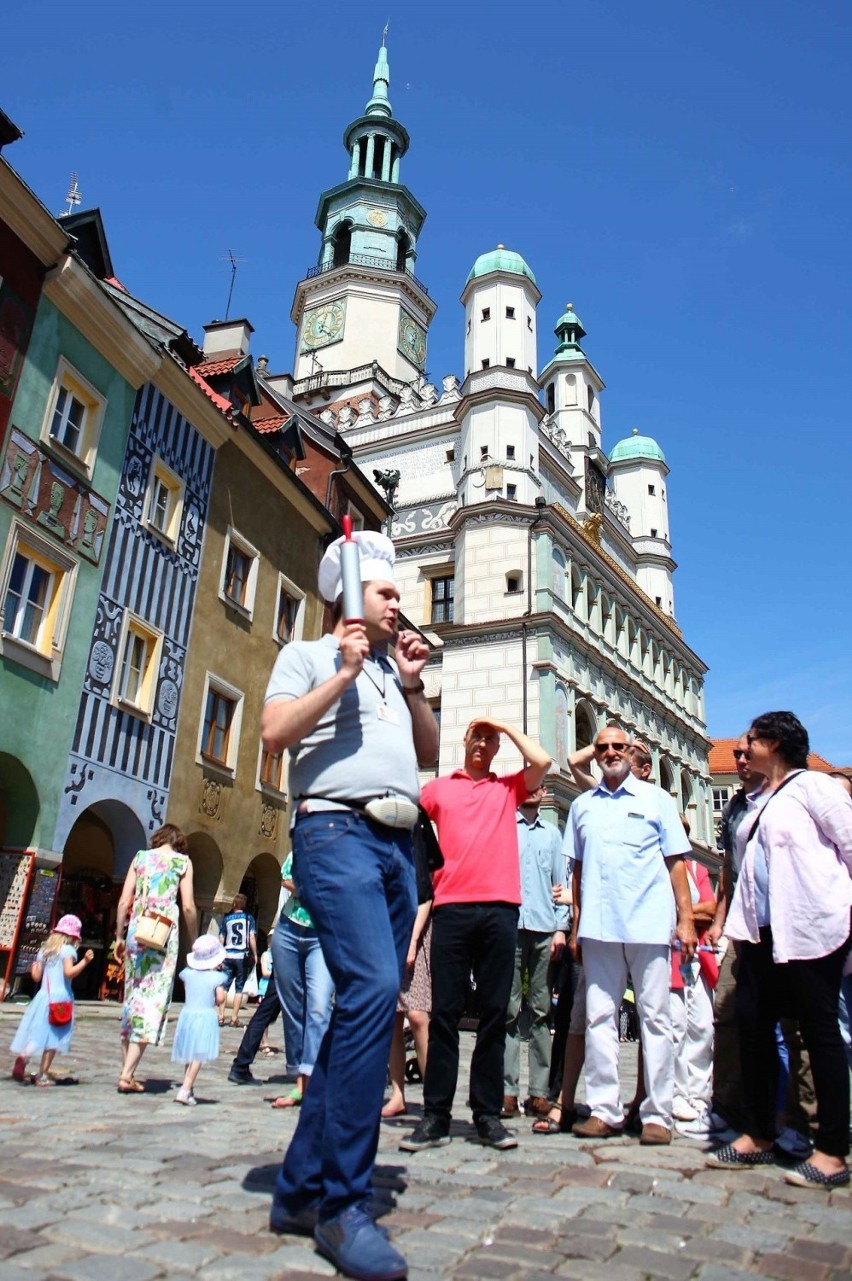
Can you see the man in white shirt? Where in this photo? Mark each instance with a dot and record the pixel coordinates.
(630, 895)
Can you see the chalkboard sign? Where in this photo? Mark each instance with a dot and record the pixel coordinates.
(39, 915)
(14, 868)
(42, 897)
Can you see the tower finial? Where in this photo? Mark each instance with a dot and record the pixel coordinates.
(385, 33)
(379, 104)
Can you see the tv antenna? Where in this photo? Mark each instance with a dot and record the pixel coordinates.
(74, 196)
(234, 261)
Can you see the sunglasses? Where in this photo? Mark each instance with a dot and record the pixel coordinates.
(741, 755)
(612, 747)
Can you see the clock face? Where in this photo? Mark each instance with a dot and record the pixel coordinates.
(323, 324)
(412, 340)
(377, 217)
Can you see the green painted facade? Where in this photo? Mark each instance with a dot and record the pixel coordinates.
(39, 713)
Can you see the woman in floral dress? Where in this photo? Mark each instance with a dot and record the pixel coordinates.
(157, 878)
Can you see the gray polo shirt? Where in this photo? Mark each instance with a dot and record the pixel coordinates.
(362, 747)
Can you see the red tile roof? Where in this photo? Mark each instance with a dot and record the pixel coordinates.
(211, 368)
(722, 758)
(269, 424)
(219, 401)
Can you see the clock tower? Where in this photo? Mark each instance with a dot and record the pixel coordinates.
(362, 303)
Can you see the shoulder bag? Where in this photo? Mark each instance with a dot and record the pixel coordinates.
(153, 929)
(58, 1012)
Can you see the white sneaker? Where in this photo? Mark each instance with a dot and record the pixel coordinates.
(186, 1097)
(682, 1110)
(707, 1125)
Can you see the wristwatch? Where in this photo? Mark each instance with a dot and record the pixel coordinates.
(413, 689)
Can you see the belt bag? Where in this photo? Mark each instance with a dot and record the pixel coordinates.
(393, 811)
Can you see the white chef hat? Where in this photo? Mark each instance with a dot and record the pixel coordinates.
(377, 561)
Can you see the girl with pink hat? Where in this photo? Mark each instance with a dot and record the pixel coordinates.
(49, 1019)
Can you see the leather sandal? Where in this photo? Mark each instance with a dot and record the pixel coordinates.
(129, 1086)
(549, 1124)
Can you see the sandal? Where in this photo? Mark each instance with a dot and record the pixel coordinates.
(129, 1086)
(267, 1052)
(549, 1124)
(44, 1079)
(291, 1100)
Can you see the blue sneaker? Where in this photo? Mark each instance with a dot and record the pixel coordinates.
(359, 1249)
(300, 1223)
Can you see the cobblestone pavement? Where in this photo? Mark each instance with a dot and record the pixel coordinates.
(97, 1186)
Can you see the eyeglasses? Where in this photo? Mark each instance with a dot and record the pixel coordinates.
(753, 738)
(741, 755)
(612, 747)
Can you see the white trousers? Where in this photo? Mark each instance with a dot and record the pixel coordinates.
(692, 1027)
(607, 966)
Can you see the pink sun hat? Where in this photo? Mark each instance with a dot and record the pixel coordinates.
(71, 925)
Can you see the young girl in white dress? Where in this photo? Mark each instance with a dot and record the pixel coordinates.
(54, 967)
(197, 1033)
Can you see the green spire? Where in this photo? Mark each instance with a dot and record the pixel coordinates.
(379, 104)
(569, 331)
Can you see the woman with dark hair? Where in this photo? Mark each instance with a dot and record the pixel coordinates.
(791, 913)
(157, 877)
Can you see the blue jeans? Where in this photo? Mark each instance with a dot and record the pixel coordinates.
(305, 991)
(356, 879)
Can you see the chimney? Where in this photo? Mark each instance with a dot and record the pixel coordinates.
(227, 338)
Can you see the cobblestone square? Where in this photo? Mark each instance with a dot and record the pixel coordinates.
(90, 1175)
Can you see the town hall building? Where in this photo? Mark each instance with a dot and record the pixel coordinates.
(537, 561)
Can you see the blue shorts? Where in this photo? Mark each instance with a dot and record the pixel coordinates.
(235, 969)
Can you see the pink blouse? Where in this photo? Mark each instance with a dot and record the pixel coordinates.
(806, 831)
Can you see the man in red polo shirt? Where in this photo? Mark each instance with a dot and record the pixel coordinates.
(474, 926)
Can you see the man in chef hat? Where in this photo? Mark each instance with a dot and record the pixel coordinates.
(357, 725)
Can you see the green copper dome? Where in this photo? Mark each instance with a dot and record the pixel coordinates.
(500, 259)
(636, 446)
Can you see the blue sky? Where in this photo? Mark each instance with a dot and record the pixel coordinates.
(678, 171)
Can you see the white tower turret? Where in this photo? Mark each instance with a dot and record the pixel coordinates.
(637, 468)
(500, 411)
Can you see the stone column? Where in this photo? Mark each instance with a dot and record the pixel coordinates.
(371, 148)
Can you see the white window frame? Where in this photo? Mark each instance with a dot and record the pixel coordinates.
(280, 792)
(176, 488)
(247, 549)
(356, 516)
(45, 655)
(82, 458)
(296, 594)
(143, 704)
(226, 690)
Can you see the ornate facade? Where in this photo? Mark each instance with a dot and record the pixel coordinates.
(540, 562)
